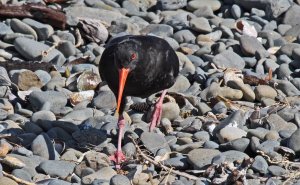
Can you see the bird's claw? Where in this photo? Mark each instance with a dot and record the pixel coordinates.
(117, 157)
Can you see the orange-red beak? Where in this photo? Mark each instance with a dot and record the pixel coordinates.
(123, 73)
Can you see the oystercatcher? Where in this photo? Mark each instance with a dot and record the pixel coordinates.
(139, 66)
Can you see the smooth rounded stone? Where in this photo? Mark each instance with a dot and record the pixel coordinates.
(129, 149)
(268, 146)
(287, 88)
(201, 158)
(57, 100)
(54, 83)
(178, 162)
(42, 146)
(6, 181)
(10, 38)
(283, 28)
(84, 67)
(161, 30)
(284, 71)
(276, 123)
(105, 100)
(56, 168)
(203, 108)
(67, 48)
(229, 59)
(12, 162)
(170, 110)
(200, 24)
(250, 45)
(5, 29)
(204, 11)
(294, 141)
(290, 17)
(264, 91)
(60, 182)
(208, 39)
(272, 135)
(173, 43)
(105, 173)
(236, 11)
(119, 180)
(187, 65)
(248, 93)
(211, 145)
(296, 82)
(154, 142)
(77, 116)
(42, 115)
(271, 64)
(197, 61)
(287, 49)
(71, 155)
(181, 84)
(86, 171)
(196, 4)
(20, 27)
(240, 144)
(230, 133)
(31, 50)
(260, 165)
(201, 136)
(44, 31)
(171, 4)
(22, 174)
(268, 102)
(3, 114)
(277, 170)
(66, 36)
(43, 76)
(277, 8)
(232, 94)
(284, 59)
(23, 151)
(219, 108)
(184, 36)
(234, 155)
(226, 32)
(26, 79)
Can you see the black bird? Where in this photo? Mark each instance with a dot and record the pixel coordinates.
(138, 66)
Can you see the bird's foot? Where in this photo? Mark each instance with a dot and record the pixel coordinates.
(118, 157)
(158, 111)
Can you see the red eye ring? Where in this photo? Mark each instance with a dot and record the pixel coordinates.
(133, 56)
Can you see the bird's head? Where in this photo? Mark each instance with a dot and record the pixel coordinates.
(126, 58)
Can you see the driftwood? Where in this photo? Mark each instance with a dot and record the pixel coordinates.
(34, 10)
(56, 1)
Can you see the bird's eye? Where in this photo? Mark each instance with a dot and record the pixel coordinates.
(133, 56)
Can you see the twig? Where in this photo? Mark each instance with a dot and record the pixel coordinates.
(169, 172)
(46, 52)
(18, 180)
(79, 38)
(183, 174)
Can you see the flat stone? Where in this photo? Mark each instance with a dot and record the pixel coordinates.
(260, 164)
(21, 27)
(294, 141)
(43, 30)
(230, 133)
(200, 24)
(229, 59)
(32, 50)
(250, 45)
(200, 158)
(154, 142)
(195, 4)
(57, 100)
(42, 146)
(105, 173)
(55, 168)
(291, 15)
(264, 91)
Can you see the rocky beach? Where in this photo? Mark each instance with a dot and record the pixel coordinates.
(232, 116)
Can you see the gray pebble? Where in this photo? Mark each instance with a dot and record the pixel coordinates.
(44, 31)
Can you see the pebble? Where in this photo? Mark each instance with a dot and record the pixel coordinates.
(32, 50)
(119, 180)
(293, 141)
(195, 4)
(260, 165)
(230, 133)
(55, 168)
(199, 158)
(21, 27)
(42, 146)
(200, 25)
(43, 31)
(229, 59)
(264, 91)
(154, 142)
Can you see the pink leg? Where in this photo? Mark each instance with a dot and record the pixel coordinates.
(118, 156)
(157, 112)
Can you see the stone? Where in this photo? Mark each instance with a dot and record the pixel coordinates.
(229, 59)
(200, 24)
(264, 91)
(250, 45)
(294, 140)
(230, 133)
(200, 158)
(171, 4)
(32, 50)
(6, 181)
(260, 164)
(195, 4)
(21, 27)
(119, 180)
(154, 142)
(44, 31)
(42, 146)
(291, 14)
(55, 168)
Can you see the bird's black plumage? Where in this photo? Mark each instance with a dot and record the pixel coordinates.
(152, 62)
